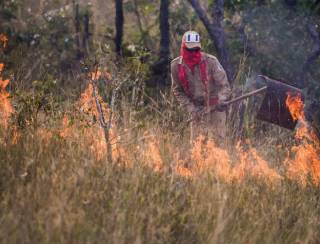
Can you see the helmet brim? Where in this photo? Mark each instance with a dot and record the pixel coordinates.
(191, 45)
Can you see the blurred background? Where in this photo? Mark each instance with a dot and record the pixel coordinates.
(94, 147)
(52, 43)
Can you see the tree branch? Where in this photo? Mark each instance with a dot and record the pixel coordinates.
(216, 32)
(201, 13)
(218, 13)
(240, 28)
(105, 126)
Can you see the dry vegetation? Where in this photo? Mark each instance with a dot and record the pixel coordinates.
(57, 184)
(61, 181)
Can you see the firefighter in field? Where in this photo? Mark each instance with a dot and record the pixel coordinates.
(200, 85)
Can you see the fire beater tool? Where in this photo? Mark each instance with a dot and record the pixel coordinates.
(273, 108)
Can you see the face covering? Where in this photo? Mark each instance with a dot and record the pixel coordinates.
(191, 59)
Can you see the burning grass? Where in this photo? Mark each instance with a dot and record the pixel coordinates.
(6, 108)
(305, 165)
(58, 186)
(3, 40)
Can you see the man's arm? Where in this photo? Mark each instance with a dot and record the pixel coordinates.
(179, 92)
(220, 77)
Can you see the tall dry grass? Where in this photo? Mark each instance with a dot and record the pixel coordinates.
(58, 187)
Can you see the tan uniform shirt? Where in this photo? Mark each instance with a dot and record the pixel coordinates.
(218, 87)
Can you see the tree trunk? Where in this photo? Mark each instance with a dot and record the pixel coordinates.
(219, 37)
(119, 26)
(136, 11)
(306, 67)
(216, 32)
(79, 53)
(316, 3)
(86, 34)
(261, 2)
(160, 67)
(164, 30)
(291, 3)
(313, 56)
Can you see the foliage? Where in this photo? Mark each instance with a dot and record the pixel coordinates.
(42, 98)
(56, 183)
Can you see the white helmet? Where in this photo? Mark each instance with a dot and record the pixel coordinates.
(191, 39)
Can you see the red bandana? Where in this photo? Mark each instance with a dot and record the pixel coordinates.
(191, 59)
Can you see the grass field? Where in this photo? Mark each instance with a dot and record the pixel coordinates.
(57, 186)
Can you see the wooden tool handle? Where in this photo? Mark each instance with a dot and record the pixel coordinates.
(227, 103)
(246, 95)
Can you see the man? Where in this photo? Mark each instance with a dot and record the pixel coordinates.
(200, 84)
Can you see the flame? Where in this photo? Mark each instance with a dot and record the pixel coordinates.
(44, 135)
(1, 67)
(153, 156)
(15, 135)
(181, 169)
(89, 138)
(6, 108)
(65, 131)
(87, 132)
(296, 106)
(96, 75)
(305, 165)
(306, 162)
(207, 157)
(252, 164)
(4, 40)
(87, 103)
(95, 134)
(99, 74)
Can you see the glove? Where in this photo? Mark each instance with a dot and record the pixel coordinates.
(221, 107)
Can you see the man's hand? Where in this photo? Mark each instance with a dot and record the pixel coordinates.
(221, 107)
(197, 112)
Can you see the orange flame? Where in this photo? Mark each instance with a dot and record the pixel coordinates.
(305, 165)
(98, 74)
(306, 162)
(153, 155)
(6, 108)
(252, 164)
(206, 156)
(4, 40)
(296, 106)
(87, 103)
(44, 135)
(91, 137)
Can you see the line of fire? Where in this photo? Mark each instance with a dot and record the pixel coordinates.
(159, 121)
